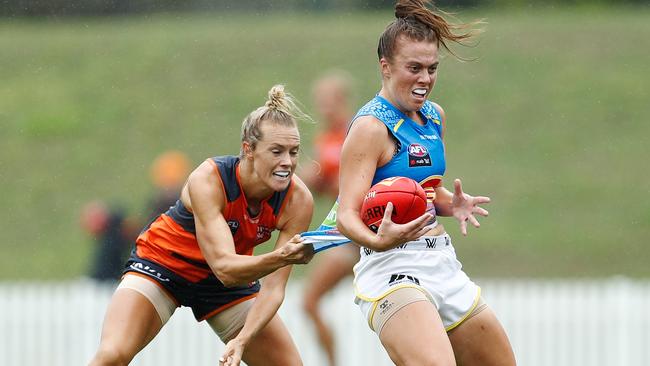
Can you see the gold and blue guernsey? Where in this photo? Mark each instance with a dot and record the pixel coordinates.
(428, 264)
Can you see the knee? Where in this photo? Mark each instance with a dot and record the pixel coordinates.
(310, 305)
(110, 356)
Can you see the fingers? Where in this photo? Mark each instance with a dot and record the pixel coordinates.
(463, 227)
(388, 212)
(480, 211)
(422, 231)
(296, 239)
(231, 360)
(478, 200)
(474, 221)
(458, 187)
(419, 226)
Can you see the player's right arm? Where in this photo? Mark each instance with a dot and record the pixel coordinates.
(367, 146)
(216, 242)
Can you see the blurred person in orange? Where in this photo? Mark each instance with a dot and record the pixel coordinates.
(331, 95)
(168, 173)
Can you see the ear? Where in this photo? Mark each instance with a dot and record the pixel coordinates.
(248, 149)
(385, 68)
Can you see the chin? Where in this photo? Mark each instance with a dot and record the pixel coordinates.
(280, 186)
(417, 104)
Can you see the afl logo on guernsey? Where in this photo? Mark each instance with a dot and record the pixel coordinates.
(234, 225)
(418, 156)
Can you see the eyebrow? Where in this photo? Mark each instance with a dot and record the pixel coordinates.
(275, 144)
(420, 64)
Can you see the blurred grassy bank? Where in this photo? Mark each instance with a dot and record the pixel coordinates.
(550, 122)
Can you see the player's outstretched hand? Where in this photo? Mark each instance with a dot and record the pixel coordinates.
(232, 354)
(465, 207)
(296, 252)
(390, 234)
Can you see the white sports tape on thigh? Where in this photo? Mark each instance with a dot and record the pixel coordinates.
(228, 322)
(159, 299)
(388, 305)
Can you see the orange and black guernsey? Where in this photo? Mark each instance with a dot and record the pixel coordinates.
(168, 246)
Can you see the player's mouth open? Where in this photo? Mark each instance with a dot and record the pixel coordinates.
(282, 174)
(420, 92)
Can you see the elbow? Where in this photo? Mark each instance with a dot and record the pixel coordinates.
(341, 225)
(228, 281)
(227, 276)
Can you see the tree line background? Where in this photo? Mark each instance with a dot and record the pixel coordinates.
(21, 8)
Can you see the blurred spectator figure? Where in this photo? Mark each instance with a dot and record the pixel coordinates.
(168, 174)
(331, 95)
(113, 234)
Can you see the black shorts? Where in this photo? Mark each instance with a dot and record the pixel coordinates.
(206, 297)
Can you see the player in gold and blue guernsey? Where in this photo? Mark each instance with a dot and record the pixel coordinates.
(408, 283)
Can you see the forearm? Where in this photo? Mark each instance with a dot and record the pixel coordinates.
(234, 269)
(265, 307)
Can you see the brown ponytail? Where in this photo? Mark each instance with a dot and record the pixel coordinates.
(421, 23)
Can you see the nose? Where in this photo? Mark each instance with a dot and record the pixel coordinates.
(425, 77)
(285, 160)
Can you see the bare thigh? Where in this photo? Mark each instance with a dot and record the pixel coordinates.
(272, 346)
(131, 322)
(415, 335)
(481, 340)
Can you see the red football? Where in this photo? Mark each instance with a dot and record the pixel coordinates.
(408, 198)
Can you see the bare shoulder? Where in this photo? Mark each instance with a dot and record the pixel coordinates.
(201, 184)
(440, 110)
(443, 118)
(301, 194)
(367, 127)
(298, 210)
(205, 173)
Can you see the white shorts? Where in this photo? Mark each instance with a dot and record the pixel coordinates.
(428, 264)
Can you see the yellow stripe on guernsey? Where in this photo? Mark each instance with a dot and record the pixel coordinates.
(399, 123)
(435, 120)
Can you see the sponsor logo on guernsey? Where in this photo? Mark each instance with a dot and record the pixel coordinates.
(146, 269)
(234, 225)
(428, 137)
(399, 278)
(263, 233)
(418, 155)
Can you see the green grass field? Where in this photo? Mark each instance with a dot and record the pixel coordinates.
(550, 122)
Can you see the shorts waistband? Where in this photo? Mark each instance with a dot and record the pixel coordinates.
(440, 242)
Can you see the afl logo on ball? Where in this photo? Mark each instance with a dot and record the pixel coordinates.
(418, 156)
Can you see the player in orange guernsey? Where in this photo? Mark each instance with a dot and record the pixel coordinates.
(199, 252)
